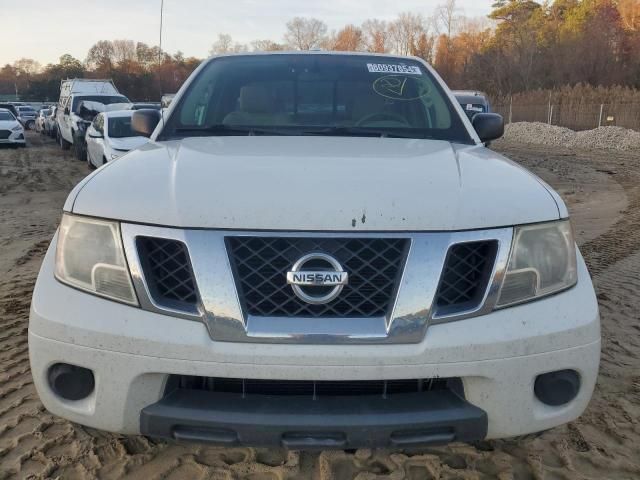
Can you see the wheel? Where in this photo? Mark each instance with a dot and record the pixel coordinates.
(90, 164)
(79, 148)
(64, 145)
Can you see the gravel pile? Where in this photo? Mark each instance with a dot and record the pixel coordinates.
(616, 138)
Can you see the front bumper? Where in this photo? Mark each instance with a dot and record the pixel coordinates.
(132, 352)
(299, 422)
(15, 138)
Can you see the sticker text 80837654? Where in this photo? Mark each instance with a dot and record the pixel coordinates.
(391, 68)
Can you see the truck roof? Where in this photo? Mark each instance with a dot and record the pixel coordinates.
(89, 86)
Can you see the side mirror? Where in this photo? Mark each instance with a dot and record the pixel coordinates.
(144, 121)
(489, 126)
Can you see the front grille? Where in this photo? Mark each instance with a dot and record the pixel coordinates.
(168, 272)
(261, 264)
(311, 388)
(465, 277)
(4, 134)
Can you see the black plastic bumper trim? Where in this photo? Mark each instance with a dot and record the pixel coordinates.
(405, 420)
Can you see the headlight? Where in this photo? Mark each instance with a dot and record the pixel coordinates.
(542, 262)
(17, 128)
(90, 256)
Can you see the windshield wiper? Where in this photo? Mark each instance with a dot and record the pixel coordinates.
(346, 131)
(222, 129)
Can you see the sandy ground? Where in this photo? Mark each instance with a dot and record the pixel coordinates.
(603, 192)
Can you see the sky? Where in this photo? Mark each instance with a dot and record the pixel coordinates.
(44, 30)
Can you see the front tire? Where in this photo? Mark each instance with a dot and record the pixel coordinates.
(79, 147)
(64, 145)
(90, 164)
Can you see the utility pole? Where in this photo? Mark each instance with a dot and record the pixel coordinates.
(160, 41)
(600, 117)
(511, 109)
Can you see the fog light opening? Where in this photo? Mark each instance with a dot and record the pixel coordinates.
(557, 388)
(70, 381)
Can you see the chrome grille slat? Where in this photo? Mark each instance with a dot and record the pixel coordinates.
(261, 263)
(168, 271)
(465, 275)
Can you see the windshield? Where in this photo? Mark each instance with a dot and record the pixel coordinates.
(351, 95)
(104, 99)
(6, 116)
(120, 127)
(26, 110)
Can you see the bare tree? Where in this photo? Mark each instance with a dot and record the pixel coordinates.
(266, 46)
(124, 51)
(27, 66)
(148, 56)
(446, 21)
(406, 31)
(225, 44)
(375, 36)
(100, 55)
(305, 33)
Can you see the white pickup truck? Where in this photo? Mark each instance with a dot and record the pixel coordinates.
(315, 250)
(71, 127)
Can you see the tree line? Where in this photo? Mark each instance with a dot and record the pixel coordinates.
(522, 45)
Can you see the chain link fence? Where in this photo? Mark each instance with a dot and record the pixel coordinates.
(574, 116)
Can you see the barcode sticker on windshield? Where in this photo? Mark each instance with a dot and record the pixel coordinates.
(390, 68)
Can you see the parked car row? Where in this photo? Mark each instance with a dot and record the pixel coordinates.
(94, 120)
(25, 114)
(91, 117)
(46, 121)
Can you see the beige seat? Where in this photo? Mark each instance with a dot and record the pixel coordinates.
(256, 108)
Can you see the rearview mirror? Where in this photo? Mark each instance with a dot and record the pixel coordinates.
(144, 121)
(489, 126)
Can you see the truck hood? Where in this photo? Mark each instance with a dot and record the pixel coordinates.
(315, 183)
(127, 143)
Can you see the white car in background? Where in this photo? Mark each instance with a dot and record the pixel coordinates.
(50, 127)
(11, 130)
(110, 136)
(41, 119)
